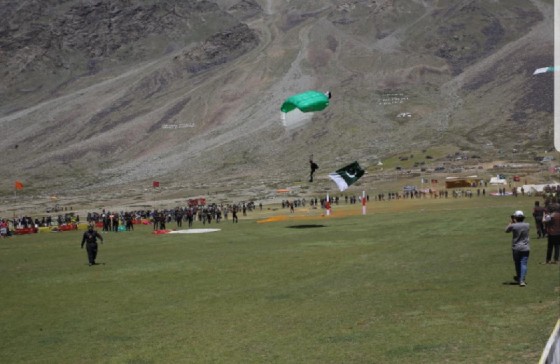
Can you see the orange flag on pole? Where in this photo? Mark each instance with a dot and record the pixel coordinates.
(19, 185)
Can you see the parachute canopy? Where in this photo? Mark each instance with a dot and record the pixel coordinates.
(306, 102)
(544, 70)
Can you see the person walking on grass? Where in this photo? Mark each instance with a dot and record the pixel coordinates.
(520, 245)
(90, 239)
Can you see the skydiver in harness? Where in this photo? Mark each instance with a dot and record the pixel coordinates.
(313, 167)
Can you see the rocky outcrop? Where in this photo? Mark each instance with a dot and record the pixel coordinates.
(44, 44)
(219, 49)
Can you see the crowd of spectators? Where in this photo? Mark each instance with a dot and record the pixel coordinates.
(8, 226)
(206, 214)
(160, 219)
(114, 221)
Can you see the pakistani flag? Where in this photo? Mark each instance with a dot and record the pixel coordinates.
(346, 176)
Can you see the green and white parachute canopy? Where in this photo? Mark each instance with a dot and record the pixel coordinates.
(308, 101)
(544, 70)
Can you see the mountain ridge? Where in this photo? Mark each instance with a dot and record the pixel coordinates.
(204, 108)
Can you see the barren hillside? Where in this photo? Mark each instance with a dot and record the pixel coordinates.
(114, 94)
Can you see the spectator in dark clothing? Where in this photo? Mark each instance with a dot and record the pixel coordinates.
(234, 214)
(538, 214)
(552, 223)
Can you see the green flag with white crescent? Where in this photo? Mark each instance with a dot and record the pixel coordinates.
(346, 176)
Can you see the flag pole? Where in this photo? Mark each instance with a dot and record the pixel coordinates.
(363, 202)
(15, 207)
(15, 192)
(155, 184)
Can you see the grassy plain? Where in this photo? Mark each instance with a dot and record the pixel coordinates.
(424, 281)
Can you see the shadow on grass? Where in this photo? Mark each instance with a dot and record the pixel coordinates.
(306, 226)
(510, 283)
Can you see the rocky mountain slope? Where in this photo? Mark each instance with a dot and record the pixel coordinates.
(113, 94)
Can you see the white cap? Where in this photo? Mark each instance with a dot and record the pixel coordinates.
(518, 213)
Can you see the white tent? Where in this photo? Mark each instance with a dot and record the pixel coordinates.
(498, 181)
(538, 188)
(533, 188)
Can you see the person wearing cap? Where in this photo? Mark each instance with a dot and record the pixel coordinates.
(520, 245)
(90, 239)
(552, 223)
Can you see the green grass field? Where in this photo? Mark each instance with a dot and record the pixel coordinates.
(423, 281)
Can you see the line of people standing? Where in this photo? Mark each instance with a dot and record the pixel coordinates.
(547, 221)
